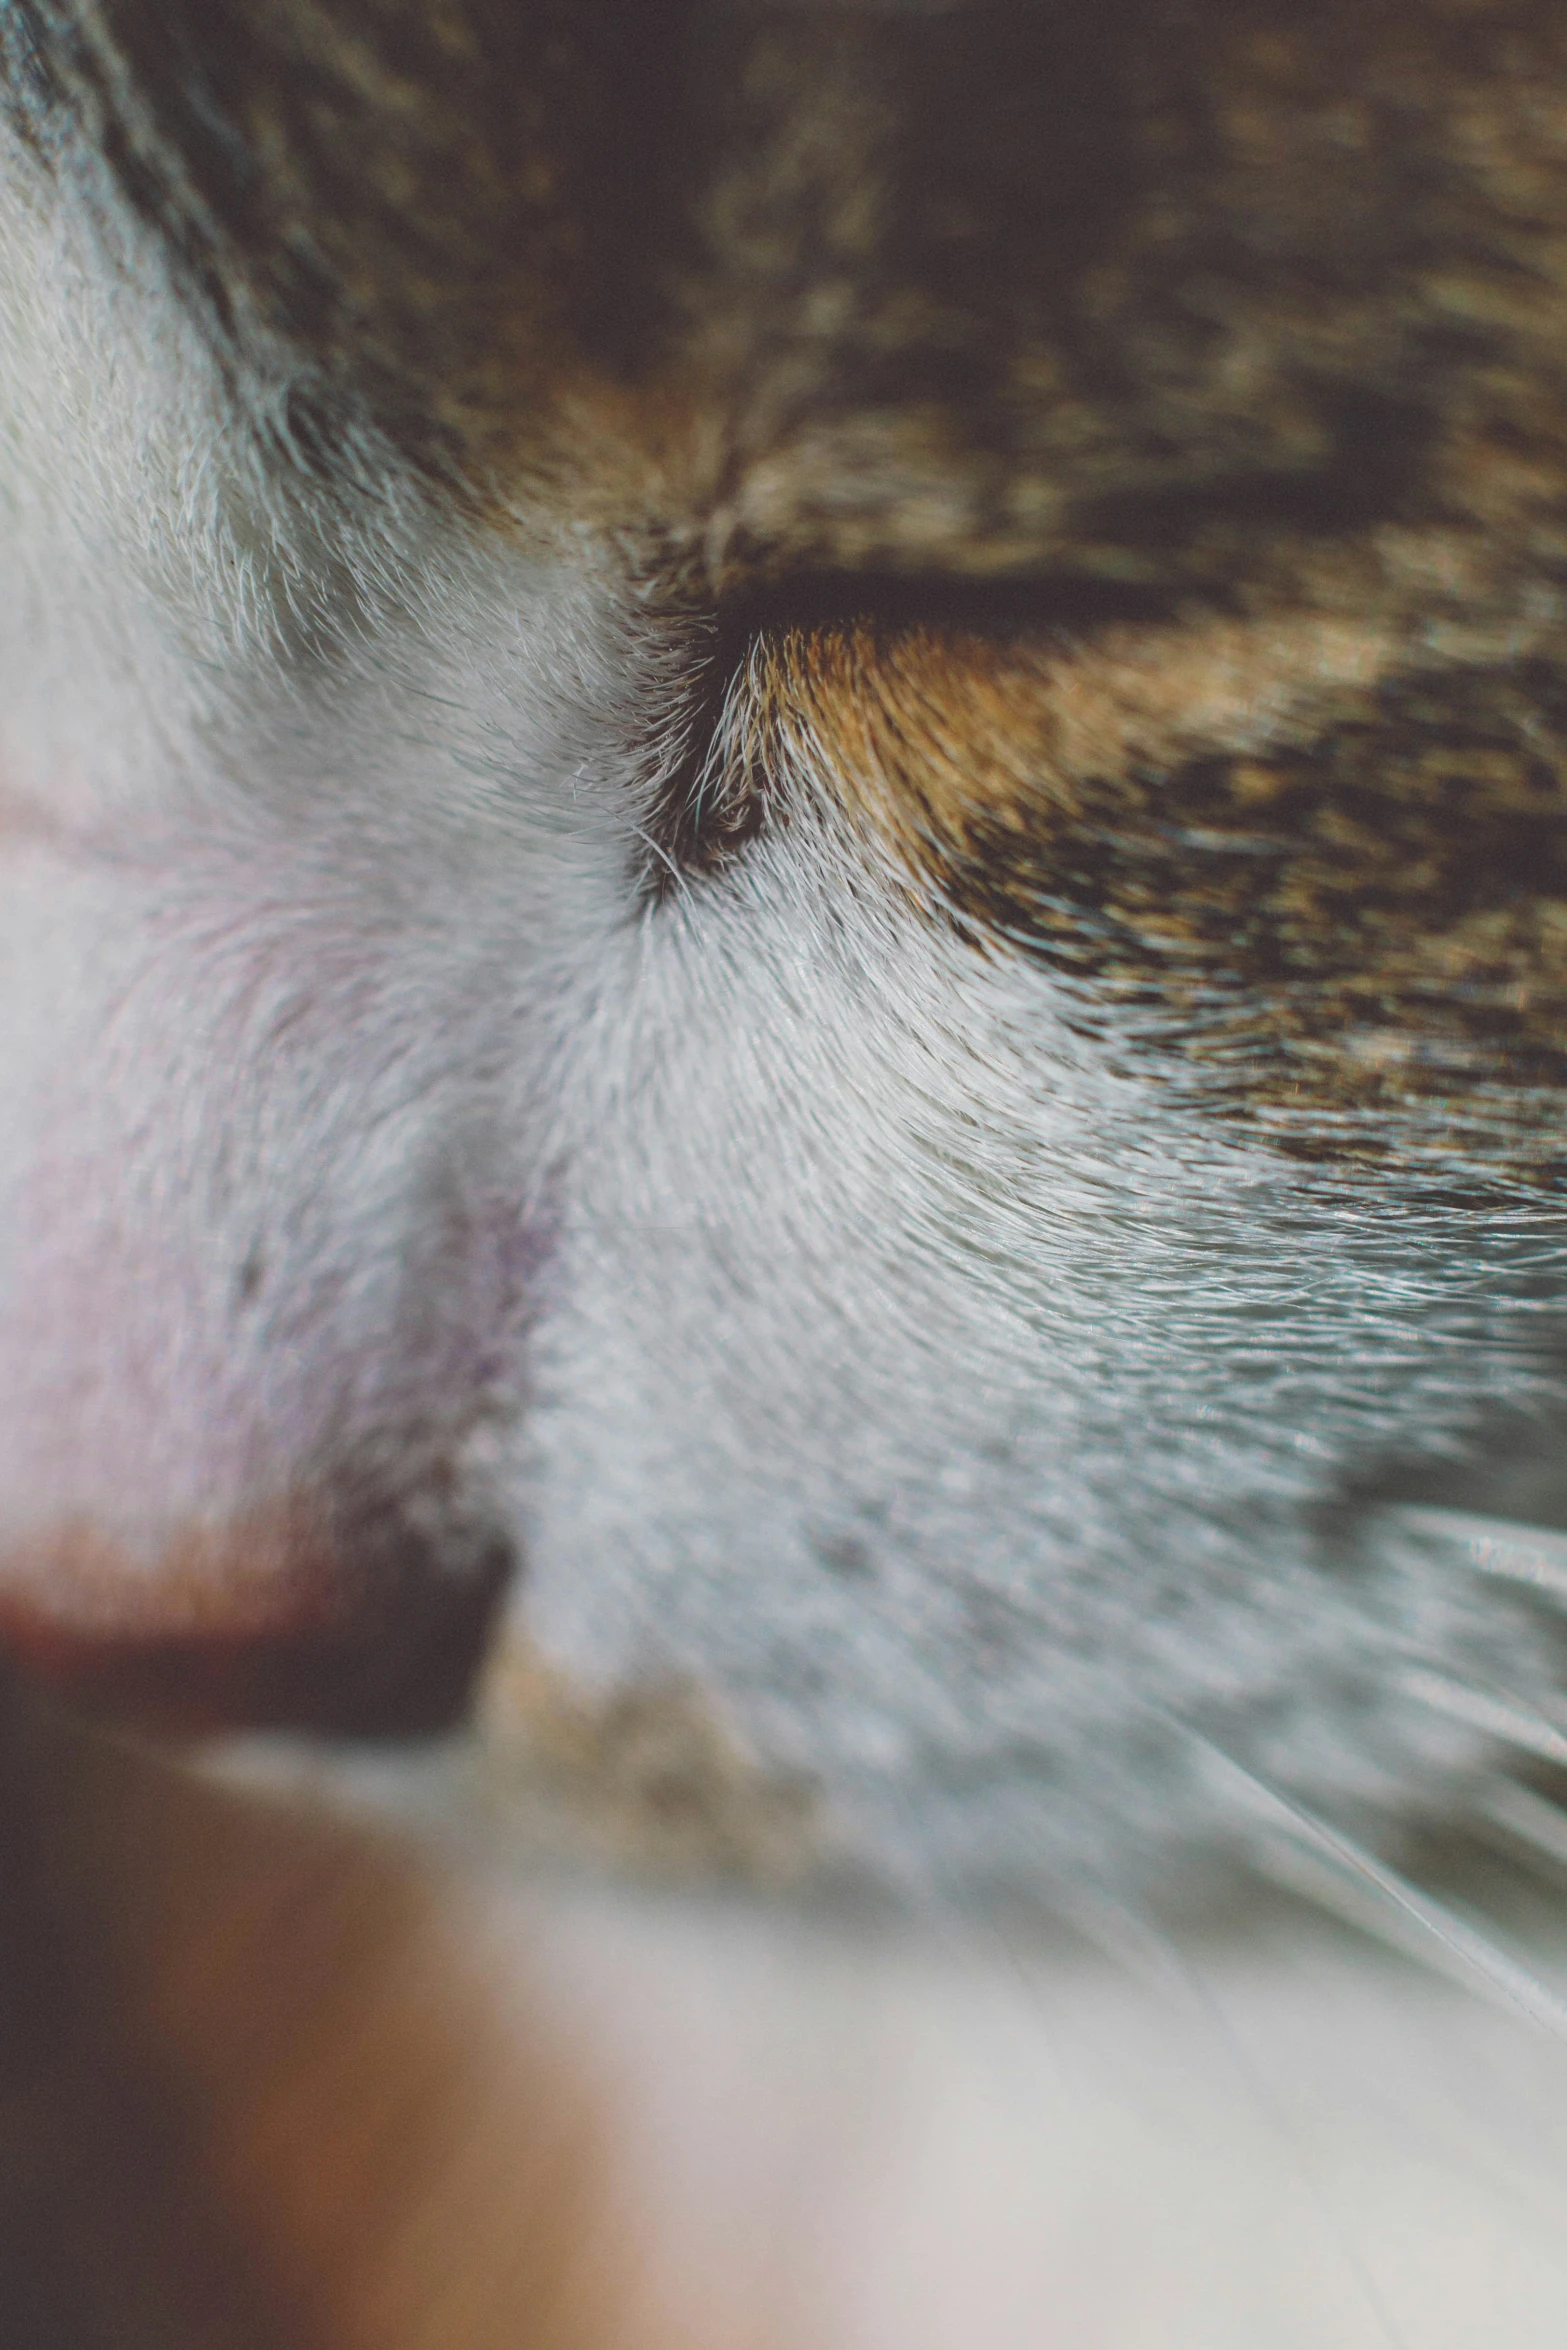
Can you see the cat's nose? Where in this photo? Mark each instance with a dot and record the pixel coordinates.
(354, 1616)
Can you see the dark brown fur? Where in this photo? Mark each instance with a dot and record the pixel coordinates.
(1153, 293)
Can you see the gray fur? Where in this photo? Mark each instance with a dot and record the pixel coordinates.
(817, 1304)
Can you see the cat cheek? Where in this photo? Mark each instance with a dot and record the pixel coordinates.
(233, 1436)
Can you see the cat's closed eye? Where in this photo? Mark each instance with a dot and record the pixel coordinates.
(783, 972)
(1327, 879)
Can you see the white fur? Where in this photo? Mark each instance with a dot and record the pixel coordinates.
(824, 1314)
(933, 1379)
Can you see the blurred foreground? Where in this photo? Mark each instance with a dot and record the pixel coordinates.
(277, 2073)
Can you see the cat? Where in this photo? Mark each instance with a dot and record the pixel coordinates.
(786, 925)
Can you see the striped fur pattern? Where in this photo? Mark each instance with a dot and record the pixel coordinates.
(784, 924)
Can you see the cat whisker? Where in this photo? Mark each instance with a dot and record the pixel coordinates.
(1311, 1858)
(1498, 1717)
(1503, 1547)
(1529, 1819)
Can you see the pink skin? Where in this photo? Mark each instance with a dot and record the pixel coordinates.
(259, 1288)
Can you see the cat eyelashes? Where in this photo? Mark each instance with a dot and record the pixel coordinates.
(713, 795)
(1330, 885)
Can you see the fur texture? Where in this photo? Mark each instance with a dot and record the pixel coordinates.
(897, 1335)
(780, 839)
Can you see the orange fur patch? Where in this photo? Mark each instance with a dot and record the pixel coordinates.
(923, 731)
(1323, 860)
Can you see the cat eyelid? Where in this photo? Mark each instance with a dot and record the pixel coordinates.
(1002, 609)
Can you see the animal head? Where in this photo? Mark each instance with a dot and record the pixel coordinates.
(783, 852)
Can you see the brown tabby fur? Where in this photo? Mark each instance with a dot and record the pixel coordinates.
(1235, 325)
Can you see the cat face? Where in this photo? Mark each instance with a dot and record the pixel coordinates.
(783, 855)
